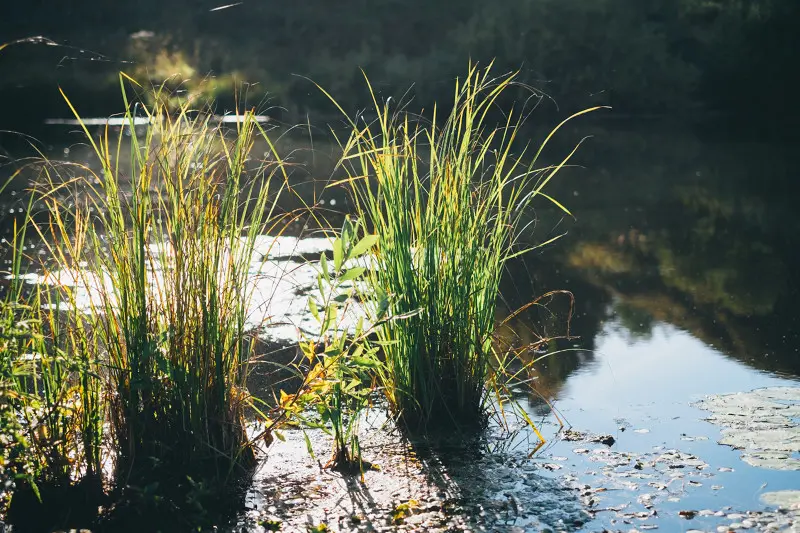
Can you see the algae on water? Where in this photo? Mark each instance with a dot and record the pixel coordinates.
(762, 423)
(783, 499)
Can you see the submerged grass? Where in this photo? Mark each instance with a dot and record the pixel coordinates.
(163, 238)
(447, 200)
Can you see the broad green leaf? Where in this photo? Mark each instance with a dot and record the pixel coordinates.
(364, 361)
(332, 351)
(347, 231)
(352, 273)
(364, 245)
(312, 306)
(321, 289)
(338, 254)
(323, 261)
(330, 317)
(383, 306)
(358, 351)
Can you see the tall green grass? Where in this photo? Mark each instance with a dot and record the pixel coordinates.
(448, 200)
(163, 235)
(48, 428)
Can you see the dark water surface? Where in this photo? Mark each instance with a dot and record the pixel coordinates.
(683, 261)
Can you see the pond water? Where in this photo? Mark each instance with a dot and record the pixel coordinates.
(682, 260)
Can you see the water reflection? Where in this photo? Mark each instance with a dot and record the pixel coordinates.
(672, 229)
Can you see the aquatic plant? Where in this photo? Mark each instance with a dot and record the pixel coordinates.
(159, 244)
(49, 409)
(447, 200)
(37, 408)
(17, 334)
(341, 364)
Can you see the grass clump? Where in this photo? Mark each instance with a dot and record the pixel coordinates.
(447, 200)
(160, 243)
(50, 428)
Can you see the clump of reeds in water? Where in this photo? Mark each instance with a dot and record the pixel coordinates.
(163, 235)
(447, 200)
(50, 414)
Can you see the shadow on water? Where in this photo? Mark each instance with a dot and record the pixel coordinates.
(440, 483)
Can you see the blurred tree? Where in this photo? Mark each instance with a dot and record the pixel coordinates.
(655, 57)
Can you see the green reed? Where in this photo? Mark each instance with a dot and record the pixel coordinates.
(447, 200)
(49, 426)
(163, 238)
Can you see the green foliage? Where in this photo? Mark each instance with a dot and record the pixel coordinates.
(447, 223)
(50, 416)
(162, 238)
(342, 364)
(17, 462)
(173, 77)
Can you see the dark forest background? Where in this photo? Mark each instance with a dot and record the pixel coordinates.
(677, 58)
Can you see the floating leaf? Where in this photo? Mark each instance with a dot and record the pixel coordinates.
(402, 511)
(271, 524)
